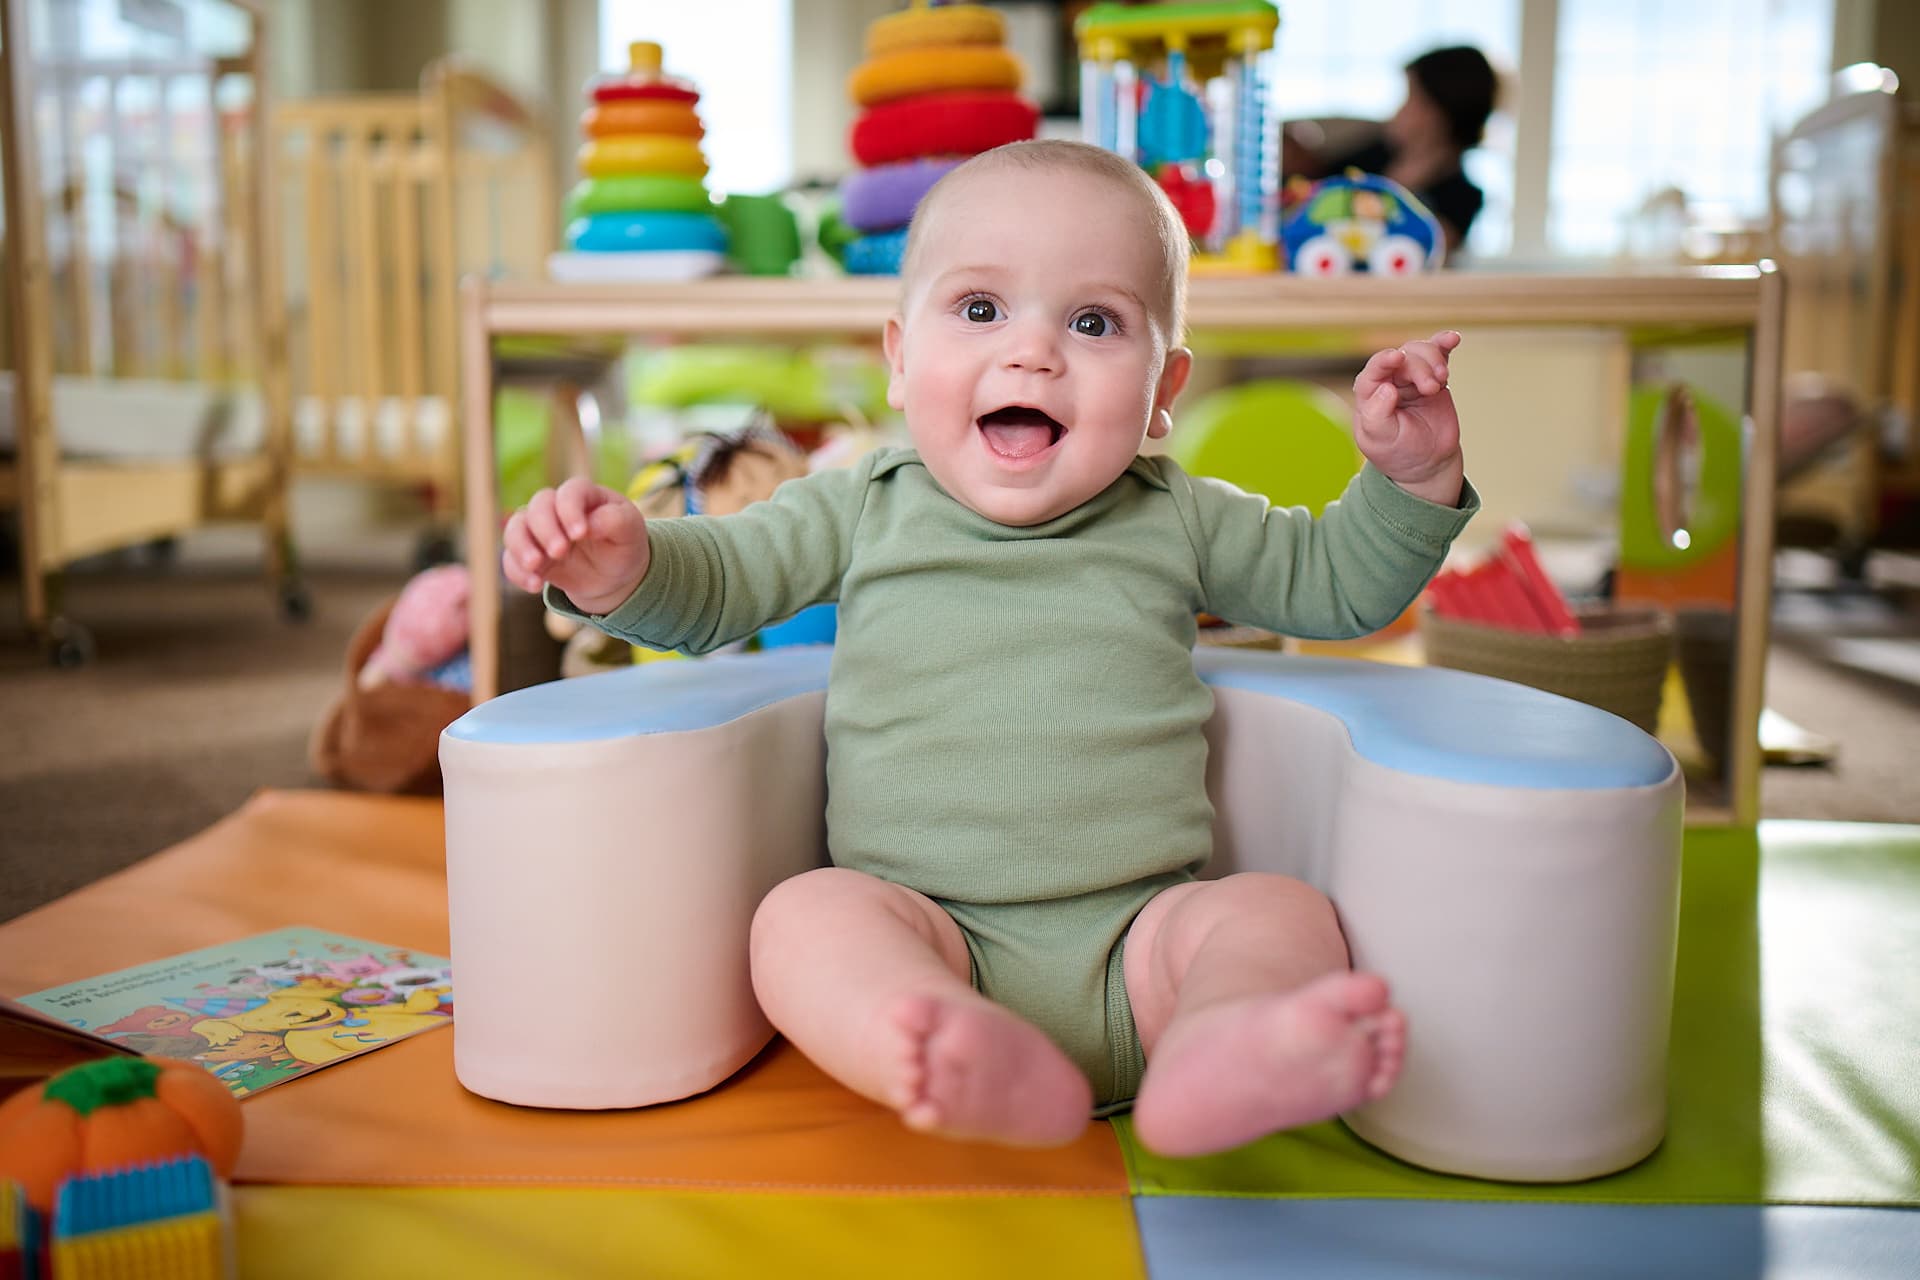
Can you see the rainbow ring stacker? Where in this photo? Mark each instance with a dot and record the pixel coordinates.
(646, 232)
(639, 193)
(639, 153)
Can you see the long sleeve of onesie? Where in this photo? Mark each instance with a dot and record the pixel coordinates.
(1346, 574)
(713, 581)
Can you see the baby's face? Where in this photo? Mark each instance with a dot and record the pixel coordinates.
(1027, 359)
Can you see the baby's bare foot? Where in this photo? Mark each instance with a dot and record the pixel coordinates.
(972, 1069)
(1239, 1070)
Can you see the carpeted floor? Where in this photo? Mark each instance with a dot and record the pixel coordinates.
(200, 694)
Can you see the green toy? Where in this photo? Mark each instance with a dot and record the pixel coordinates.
(1284, 439)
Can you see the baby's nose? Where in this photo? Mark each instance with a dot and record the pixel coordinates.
(1035, 348)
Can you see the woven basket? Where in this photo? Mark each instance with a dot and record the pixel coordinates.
(1618, 662)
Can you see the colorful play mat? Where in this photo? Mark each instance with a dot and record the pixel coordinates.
(1794, 1147)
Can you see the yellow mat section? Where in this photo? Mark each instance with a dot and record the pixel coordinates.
(328, 1232)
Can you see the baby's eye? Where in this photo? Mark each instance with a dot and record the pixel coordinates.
(980, 311)
(1091, 324)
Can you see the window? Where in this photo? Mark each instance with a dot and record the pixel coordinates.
(1650, 95)
(1337, 59)
(741, 65)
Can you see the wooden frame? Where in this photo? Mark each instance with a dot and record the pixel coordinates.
(71, 506)
(1711, 304)
(393, 205)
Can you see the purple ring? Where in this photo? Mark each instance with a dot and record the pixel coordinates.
(884, 196)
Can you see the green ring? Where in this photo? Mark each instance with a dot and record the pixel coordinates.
(639, 193)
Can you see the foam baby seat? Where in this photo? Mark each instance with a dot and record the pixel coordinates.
(1507, 858)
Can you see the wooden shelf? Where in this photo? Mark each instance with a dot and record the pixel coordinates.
(1713, 298)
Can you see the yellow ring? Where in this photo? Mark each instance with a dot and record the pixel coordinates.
(916, 71)
(917, 28)
(642, 153)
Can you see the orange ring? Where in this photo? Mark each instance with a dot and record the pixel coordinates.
(634, 115)
(916, 71)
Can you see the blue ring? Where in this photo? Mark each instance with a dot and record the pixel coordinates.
(655, 231)
(876, 255)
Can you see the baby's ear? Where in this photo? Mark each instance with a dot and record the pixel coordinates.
(893, 342)
(1173, 380)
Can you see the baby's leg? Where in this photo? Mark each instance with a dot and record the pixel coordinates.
(869, 979)
(1249, 1016)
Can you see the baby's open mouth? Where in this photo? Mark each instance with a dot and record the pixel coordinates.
(1020, 431)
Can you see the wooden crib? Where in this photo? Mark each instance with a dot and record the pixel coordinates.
(144, 390)
(388, 200)
(1846, 229)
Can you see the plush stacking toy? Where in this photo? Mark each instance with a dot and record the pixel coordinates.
(113, 1114)
(641, 210)
(938, 86)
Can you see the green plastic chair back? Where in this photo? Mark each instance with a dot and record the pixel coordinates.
(1289, 441)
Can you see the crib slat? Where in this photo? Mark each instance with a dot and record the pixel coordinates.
(363, 280)
(406, 291)
(322, 297)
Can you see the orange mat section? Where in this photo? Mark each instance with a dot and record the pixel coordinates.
(372, 867)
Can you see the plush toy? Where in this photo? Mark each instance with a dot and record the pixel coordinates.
(425, 630)
(112, 1113)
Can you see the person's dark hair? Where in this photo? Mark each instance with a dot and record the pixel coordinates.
(1461, 83)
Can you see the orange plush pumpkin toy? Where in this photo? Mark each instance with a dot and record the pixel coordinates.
(112, 1113)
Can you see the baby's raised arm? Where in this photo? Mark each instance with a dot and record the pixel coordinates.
(584, 538)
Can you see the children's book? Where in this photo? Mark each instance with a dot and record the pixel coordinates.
(254, 1012)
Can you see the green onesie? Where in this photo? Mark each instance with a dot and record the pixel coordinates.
(1013, 722)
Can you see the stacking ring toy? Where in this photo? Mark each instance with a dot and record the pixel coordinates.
(884, 197)
(652, 232)
(961, 123)
(638, 193)
(638, 115)
(876, 255)
(951, 24)
(639, 153)
(916, 71)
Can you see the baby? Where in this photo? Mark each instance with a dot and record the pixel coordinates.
(1012, 936)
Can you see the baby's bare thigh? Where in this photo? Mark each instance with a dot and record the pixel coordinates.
(832, 904)
(1287, 925)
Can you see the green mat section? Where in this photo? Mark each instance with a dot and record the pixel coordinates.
(1795, 1075)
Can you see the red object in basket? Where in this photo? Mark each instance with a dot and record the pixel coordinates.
(1509, 589)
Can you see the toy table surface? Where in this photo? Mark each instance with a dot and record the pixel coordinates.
(1278, 312)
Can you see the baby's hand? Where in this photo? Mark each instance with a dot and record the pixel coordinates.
(1404, 420)
(584, 538)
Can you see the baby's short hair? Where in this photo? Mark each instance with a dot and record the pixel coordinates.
(1160, 219)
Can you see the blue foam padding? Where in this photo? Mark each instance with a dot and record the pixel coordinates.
(1426, 721)
(1227, 1238)
(1437, 723)
(658, 231)
(654, 697)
